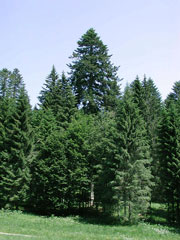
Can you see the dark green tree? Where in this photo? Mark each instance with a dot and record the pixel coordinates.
(79, 161)
(10, 83)
(170, 161)
(14, 168)
(47, 94)
(47, 153)
(169, 139)
(65, 102)
(106, 150)
(93, 76)
(126, 169)
(175, 94)
(5, 75)
(148, 99)
(133, 181)
(49, 185)
(57, 95)
(15, 83)
(138, 94)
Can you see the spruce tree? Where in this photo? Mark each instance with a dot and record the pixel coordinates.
(57, 95)
(169, 149)
(5, 75)
(79, 165)
(48, 168)
(148, 99)
(175, 94)
(93, 76)
(138, 94)
(133, 177)
(105, 150)
(10, 83)
(14, 169)
(65, 102)
(126, 171)
(15, 83)
(47, 95)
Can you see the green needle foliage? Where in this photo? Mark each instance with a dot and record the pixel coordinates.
(48, 185)
(148, 100)
(106, 150)
(93, 76)
(133, 178)
(79, 161)
(57, 95)
(125, 172)
(86, 146)
(47, 167)
(17, 143)
(170, 156)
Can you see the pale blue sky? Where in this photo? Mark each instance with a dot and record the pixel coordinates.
(142, 35)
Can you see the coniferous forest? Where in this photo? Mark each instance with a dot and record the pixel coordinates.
(89, 143)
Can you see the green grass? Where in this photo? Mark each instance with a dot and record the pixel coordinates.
(158, 214)
(68, 228)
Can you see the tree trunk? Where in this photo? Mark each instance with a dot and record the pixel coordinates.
(92, 195)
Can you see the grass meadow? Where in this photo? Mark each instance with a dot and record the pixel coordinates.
(17, 225)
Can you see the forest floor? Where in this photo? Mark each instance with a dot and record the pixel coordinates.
(17, 225)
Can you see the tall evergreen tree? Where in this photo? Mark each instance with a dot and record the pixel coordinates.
(106, 150)
(175, 94)
(148, 99)
(79, 163)
(57, 95)
(127, 170)
(93, 76)
(16, 83)
(133, 177)
(169, 138)
(138, 94)
(10, 83)
(47, 94)
(65, 102)
(5, 75)
(14, 169)
(170, 160)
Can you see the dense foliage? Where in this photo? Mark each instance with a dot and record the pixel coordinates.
(87, 145)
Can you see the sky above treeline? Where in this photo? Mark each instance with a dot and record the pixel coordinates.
(142, 36)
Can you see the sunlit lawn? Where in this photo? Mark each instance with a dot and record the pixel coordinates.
(67, 228)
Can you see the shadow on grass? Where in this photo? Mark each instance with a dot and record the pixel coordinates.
(95, 217)
(159, 216)
(100, 220)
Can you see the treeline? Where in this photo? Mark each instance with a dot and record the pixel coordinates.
(88, 144)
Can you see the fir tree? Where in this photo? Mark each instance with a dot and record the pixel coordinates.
(105, 150)
(138, 94)
(93, 76)
(16, 83)
(15, 175)
(126, 171)
(148, 99)
(57, 96)
(47, 94)
(133, 177)
(5, 75)
(65, 102)
(169, 135)
(175, 94)
(10, 83)
(78, 163)
(49, 185)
